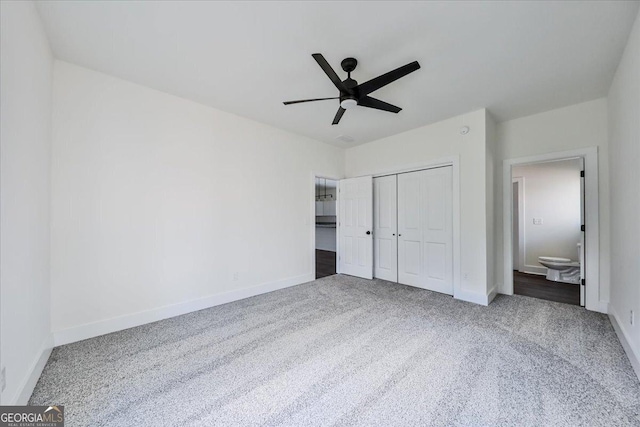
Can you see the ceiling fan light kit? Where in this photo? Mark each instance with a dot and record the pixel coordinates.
(348, 103)
(352, 93)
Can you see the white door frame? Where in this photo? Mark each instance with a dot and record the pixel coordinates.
(522, 254)
(592, 220)
(312, 219)
(454, 162)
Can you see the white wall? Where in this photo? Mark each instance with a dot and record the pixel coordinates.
(624, 140)
(159, 201)
(417, 147)
(551, 193)
(577, 126)
(25, 137)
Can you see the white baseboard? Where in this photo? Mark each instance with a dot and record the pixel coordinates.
(502, 289)
(624, 340)
(603, 307)
(534, 269)
(492, 294)
(94, 329)
(31, 379)
(475, 297)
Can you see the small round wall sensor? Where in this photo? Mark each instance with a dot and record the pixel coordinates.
(464, 130)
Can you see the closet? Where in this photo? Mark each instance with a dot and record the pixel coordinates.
(413, 229)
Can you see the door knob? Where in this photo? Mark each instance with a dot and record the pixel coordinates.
(368, 232)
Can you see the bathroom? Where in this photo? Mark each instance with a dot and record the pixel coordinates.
(548, 240)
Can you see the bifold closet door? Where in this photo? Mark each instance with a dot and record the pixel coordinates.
(425, 229)
(410, 238)
(355, 224)
(385, 222)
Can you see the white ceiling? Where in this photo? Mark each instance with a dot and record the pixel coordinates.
(514, 58)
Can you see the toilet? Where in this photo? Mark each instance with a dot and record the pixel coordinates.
(561, 269)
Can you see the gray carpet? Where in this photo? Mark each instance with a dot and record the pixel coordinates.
(346, 351)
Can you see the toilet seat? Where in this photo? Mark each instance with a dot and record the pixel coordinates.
(560, 263)
(557, 260)
(561, 269)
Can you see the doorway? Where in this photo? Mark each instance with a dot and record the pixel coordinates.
(326, 199)
(561, 222)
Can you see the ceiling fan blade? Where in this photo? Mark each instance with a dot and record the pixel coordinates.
(308, 100)
(367, 101)
(338, 116)
(383, 80)
(330, 73)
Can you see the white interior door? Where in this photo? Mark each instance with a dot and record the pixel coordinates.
(410, 233)
(385, 222)
(425, 229)
(438, 230)
(355, 226)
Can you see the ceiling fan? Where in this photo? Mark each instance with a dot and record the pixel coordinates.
(352, 93)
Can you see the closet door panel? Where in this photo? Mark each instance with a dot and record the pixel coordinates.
(385, 244)
(410, 240)
(438, 230)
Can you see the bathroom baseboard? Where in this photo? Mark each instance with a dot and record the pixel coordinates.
(534, 269)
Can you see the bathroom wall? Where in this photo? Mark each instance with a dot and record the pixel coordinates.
(551, 194)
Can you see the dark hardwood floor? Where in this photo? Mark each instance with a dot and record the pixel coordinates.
(325, 263)
(533, 285)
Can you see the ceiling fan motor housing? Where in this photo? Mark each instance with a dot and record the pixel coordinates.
(352, 85)
(349, 64)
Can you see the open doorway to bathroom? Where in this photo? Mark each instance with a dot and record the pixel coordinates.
(326, 230)
(547, 234)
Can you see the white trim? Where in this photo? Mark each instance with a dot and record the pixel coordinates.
(101, 327)
(29, 382)
(535, 269)
(603, 307)
(492, 294)
(592, 220)
(522, 218)
(475, 297)
(624, 340)
(457, 250)
(443, 161)
(454, 162)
